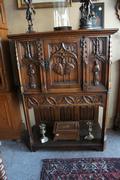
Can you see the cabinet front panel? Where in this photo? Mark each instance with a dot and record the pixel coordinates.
(31, 64)
(87, 109)
(95, 63)
(5, 118)
(64, 64)
(51, 114)
(10, 118)
(69, 107)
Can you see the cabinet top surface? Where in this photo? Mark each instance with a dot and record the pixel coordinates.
(80, 32)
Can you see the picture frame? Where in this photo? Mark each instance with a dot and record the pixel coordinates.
(99, 14)
(43, 3)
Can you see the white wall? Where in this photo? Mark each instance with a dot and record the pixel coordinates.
(43, 21)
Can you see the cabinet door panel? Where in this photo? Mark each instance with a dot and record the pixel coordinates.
(2, 15)
(10, 119)
(31, 56)
(95, 63)
(6, 78)
(64, 70)
(4, 114)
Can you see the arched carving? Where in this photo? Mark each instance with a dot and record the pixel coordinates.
(63, 60)
(98, 49)
(36, 101)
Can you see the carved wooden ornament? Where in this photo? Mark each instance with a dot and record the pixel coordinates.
(118, 9)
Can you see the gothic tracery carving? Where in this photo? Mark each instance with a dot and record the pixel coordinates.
(63, 59)
(63, 100)
(32, 52)
(98, 49)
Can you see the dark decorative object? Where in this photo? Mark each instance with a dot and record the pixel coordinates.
(92, 15)
(29, 11)
(86, 14)
(118, 9)
(81, 168)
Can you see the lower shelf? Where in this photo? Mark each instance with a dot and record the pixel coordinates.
(65, 145)
(81, 144)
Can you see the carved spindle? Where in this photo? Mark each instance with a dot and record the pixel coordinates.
(110, 62)
(27, 50)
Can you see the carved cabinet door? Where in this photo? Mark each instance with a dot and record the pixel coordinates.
(95, 63)
(30, 64)
(63, 70)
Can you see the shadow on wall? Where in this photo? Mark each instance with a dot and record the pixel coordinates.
(113, 96)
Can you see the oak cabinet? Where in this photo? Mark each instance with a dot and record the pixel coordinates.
(10, 118)
(64, 77)
(10, 127)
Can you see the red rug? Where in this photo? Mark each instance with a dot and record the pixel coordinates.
(81, 169)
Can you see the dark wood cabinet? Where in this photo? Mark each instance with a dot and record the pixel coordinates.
(10, 126)
(64, 76)
(10, 118)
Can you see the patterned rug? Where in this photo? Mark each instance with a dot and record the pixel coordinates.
(81, 169)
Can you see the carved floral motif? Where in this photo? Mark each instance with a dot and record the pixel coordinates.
(63, 59)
